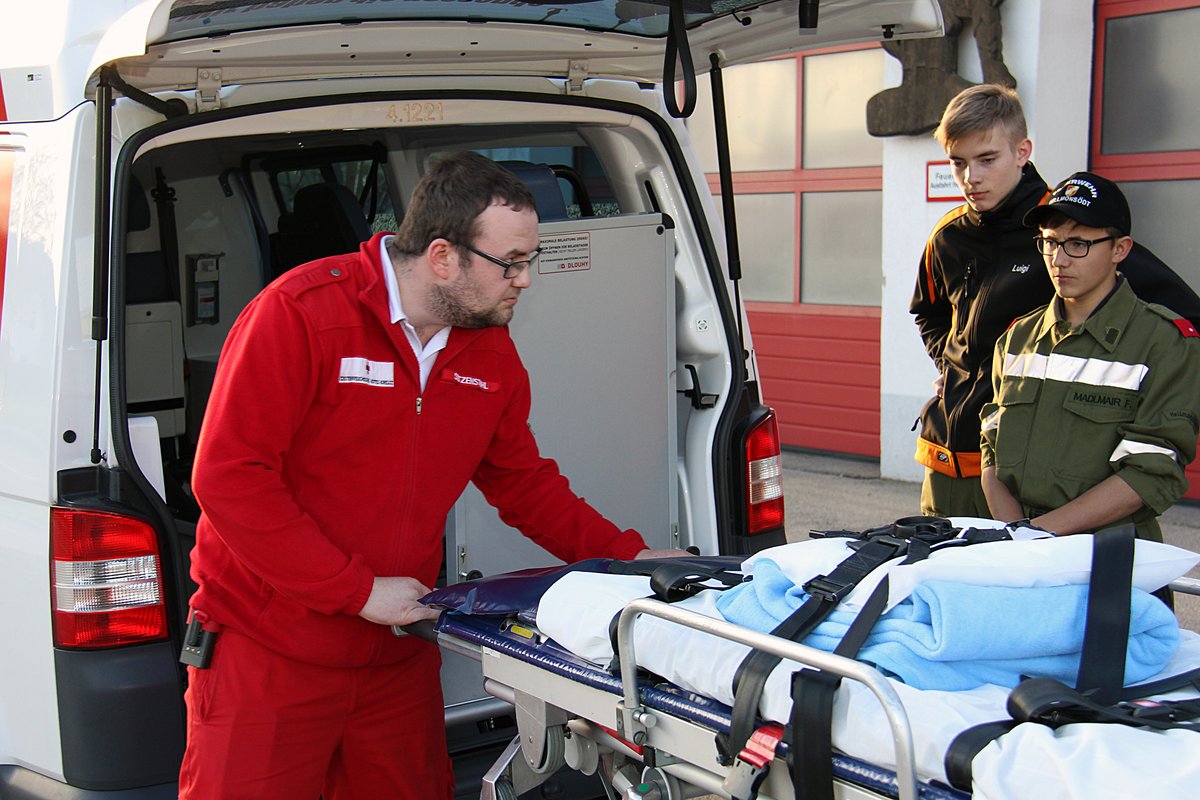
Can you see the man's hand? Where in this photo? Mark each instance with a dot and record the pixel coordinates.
(939, 385)
(661, 554)
(393, 601)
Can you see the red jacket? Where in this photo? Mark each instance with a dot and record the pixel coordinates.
(321, 463)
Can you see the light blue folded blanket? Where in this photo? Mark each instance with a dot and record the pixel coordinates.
(956, 636)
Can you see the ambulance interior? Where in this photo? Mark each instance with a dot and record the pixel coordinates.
(210, 218)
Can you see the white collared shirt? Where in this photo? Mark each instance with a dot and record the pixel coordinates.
(426, 354)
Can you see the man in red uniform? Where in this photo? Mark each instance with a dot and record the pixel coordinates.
(356, 397)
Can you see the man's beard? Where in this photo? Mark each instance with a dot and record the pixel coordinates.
(452, 305)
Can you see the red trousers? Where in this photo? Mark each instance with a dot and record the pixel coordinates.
(263, 726)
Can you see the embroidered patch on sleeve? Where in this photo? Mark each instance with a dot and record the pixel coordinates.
(365, 371)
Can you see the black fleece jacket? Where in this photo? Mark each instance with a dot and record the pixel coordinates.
(979, 272)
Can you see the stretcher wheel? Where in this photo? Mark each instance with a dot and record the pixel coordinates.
(554, 754)
(505, 791)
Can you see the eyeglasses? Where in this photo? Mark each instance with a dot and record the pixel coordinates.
(511, 268)
(1075, 248)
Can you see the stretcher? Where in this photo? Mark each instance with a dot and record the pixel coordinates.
(652, 739)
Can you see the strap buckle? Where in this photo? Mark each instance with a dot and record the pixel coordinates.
(830, 591)
(749, 769)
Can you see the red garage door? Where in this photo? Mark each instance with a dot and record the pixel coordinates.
(820, 371)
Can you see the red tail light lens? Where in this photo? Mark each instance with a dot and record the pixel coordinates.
(764, 476)
(106, 580)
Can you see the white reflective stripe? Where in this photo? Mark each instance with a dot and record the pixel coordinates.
(992, 421)
(1024, 365)
(1071, 369)
(1128, 447)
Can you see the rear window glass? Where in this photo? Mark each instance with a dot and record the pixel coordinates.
(364, 175)
(580, 176)
(193, 18)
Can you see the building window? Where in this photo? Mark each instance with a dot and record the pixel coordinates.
(798, 147)
(760, 110)
(1144, 120)
(1149, 79)
(837, 87)
(842, 239)
(767, 245)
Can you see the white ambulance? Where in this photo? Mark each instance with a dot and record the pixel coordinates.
(162, 161)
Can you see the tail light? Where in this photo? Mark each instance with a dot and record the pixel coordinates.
(764, 476)
(106, 580)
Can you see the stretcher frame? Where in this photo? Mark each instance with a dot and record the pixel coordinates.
(566, 716)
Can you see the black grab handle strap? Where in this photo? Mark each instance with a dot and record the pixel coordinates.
(677, 46)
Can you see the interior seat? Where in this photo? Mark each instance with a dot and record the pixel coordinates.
(325, 220)
(543, 183)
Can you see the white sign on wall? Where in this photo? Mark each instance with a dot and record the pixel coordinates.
(939, 183)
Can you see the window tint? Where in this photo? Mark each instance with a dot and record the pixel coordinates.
(767, 245)
(581, 178)
(841, 248)
(760, 109)
(837, 87)
(364, 175)
(1150, 63)
(192, 18)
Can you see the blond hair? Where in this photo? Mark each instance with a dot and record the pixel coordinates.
(980, 109)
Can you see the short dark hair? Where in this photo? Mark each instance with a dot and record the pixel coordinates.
(449, 198)
(979, 109)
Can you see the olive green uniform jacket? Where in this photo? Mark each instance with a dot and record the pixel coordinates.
(1119, 395)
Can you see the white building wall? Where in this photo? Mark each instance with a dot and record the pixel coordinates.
(1048, 49)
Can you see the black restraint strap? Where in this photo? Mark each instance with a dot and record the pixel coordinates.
(825, 592)
(1102, 661)
(966, 745)
(811, 754)
(1106, 633)
(810, 751)
(1054, 704)
(673, 579)
(1184, 680)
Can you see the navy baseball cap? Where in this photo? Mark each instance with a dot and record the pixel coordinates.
(1087, 198)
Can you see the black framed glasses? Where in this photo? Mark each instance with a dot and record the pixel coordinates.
(511, 268)
(1075, 248)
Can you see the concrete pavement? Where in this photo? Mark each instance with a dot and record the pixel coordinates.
(829, 492)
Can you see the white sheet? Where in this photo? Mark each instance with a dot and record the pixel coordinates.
(1075, 761)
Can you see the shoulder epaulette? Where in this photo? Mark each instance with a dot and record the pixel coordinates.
(314, 274)
(1186, 329)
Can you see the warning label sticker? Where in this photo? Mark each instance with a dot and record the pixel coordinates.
(565, 252)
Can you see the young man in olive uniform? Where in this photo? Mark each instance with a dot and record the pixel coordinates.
(1097, 394)
(979, 272)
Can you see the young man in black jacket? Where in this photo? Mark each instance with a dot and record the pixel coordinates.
(979, 272)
